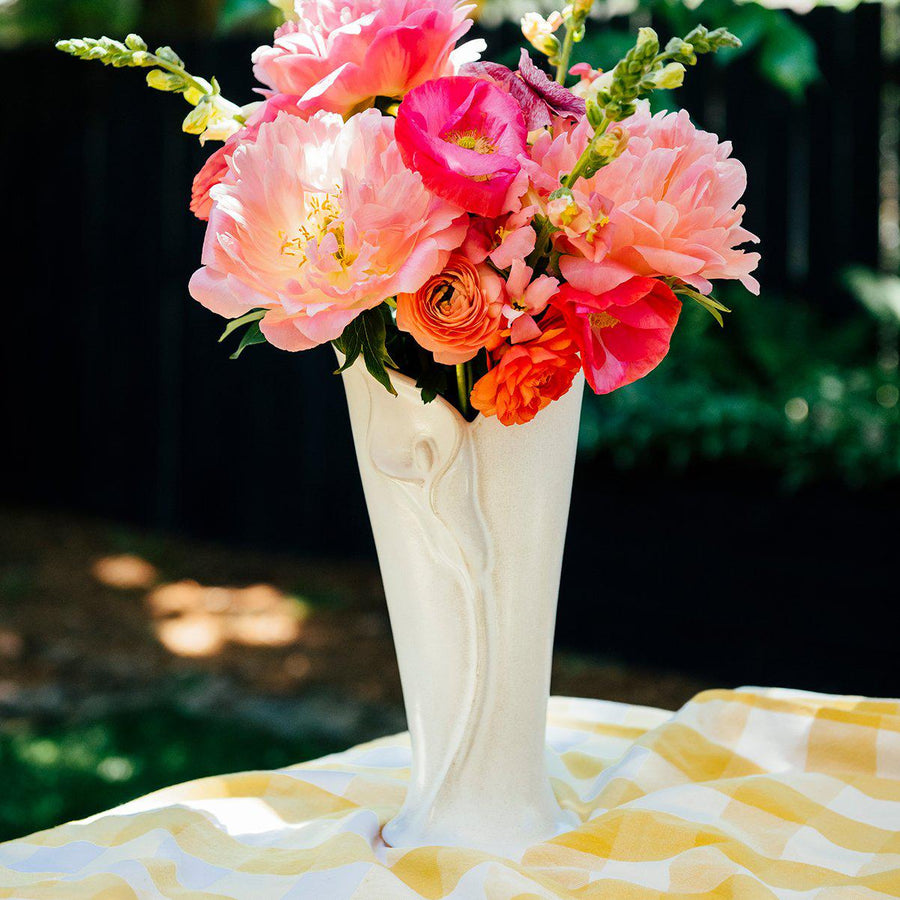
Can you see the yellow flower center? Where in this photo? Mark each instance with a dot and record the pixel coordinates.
(323, 218)
(446, 302)
(470, 140)
(602, 320)
(595, 226)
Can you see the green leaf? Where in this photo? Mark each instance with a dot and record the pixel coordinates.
(243, 320)
(238, 14)
(375, 354)
(350, 344)
(366, 335)
(751, 23)
(788, 57)
(432, 382)
(710, 304)
(251, 336)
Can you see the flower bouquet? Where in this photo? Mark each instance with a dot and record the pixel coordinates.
(470, 239)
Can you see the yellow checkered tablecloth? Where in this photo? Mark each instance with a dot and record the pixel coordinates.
(746, 794)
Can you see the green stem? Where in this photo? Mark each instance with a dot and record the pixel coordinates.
(461, 389)
(542, 242)
(562, 67)
(202, 86)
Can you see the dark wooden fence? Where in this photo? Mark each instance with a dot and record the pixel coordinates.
(118, 401)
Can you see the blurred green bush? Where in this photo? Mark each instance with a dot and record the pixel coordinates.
(785, 387)
(57, 772)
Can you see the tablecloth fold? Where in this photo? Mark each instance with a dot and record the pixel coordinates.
(746, 794)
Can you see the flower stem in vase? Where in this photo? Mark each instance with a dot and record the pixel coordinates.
(462, 388)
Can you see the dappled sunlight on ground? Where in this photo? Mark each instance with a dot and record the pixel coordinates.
(90, 609)
(195, 620)
(130, 661)
(124, 571)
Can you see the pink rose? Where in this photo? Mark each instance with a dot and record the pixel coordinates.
(464, 137)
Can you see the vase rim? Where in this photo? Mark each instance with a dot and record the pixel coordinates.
(407, 386)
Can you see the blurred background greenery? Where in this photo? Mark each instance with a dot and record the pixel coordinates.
(109, 687)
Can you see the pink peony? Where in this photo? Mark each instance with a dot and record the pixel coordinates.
(338, 56)
(665, 207)
(215, 168)
(316, 221)
(464, 136)
(622, 334)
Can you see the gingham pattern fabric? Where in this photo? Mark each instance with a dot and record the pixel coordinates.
(745, 794)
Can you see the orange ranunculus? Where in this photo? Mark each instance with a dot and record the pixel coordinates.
(455, 313)
(528, 376)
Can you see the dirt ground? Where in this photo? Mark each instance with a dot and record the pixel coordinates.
(94, 615)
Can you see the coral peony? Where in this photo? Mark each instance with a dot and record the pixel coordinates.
(539, 97)
(455, 313)
(624, 333)
(214, 169)
(338, 56)
(527, 377)
(664, 207)
(316, 221)
(464, 136)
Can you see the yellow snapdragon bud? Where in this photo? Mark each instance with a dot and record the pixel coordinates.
(612, 142)
(214, 118)
(286, 8)
(164, 81)
(539, 32)
(669, 76)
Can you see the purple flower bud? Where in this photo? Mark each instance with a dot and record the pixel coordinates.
(537, 94)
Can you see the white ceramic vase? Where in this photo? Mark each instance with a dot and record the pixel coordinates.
(469, 521)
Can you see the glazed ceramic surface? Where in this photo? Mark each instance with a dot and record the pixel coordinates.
(469, 521)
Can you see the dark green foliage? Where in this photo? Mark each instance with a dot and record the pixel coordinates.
(783, 388)
(784, 53)
(366, 335)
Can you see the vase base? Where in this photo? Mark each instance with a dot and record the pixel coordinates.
(401, 834)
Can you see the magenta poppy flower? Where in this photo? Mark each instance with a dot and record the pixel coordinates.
(622, 334)
(464, 137)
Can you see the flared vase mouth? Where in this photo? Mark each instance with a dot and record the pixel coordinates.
(407, 390)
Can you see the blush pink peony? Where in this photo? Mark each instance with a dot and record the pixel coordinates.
(338, 56)
(316, 221)
(665, 207)
(465, 136)
(215, 168)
